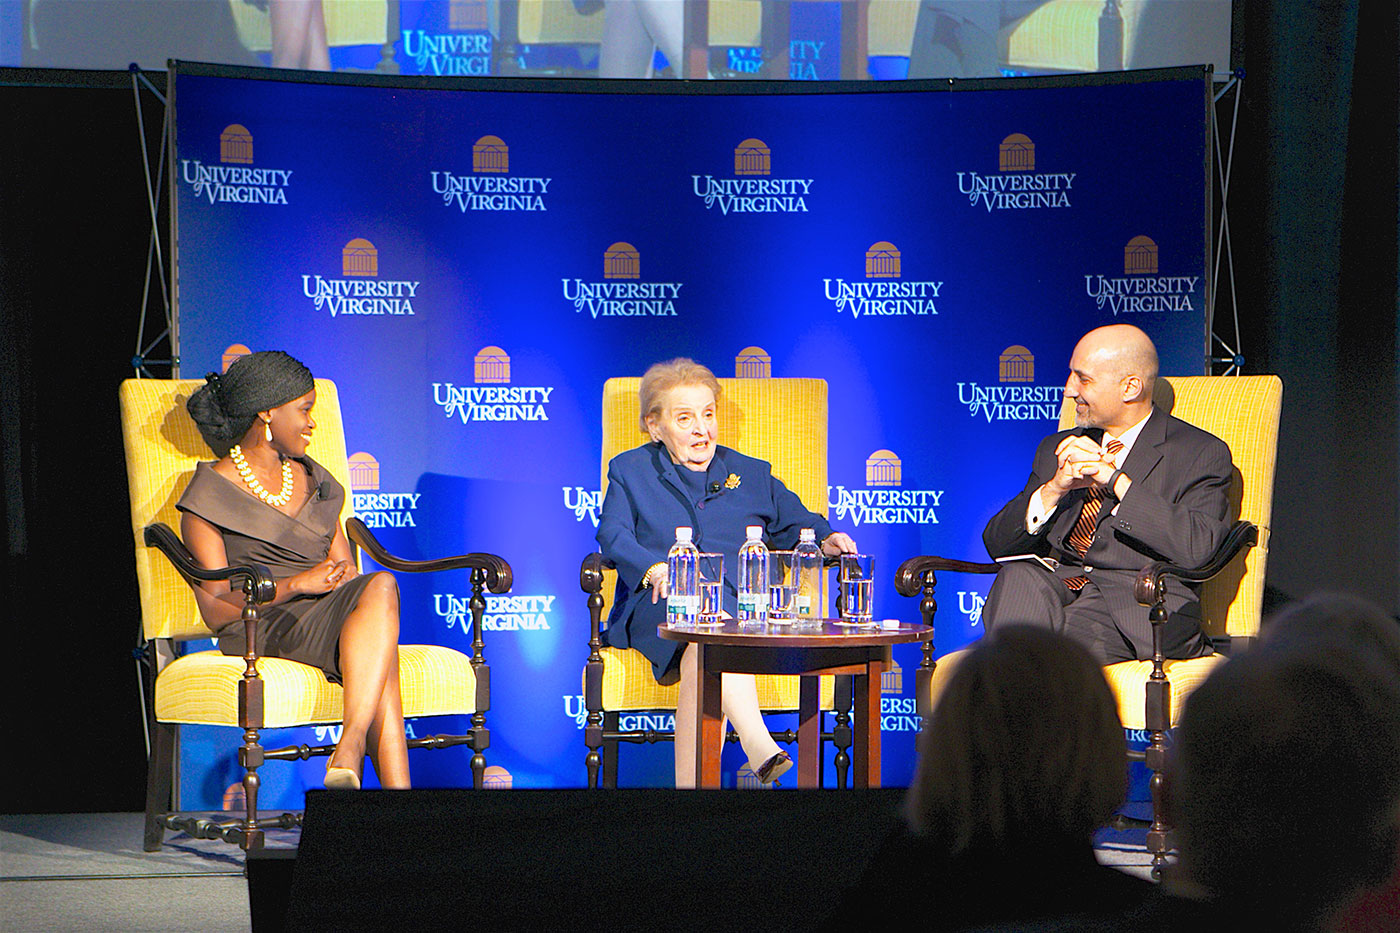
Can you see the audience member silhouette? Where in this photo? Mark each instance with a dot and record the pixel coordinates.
(1284, 784)
(1022, 759)
(1285, 781)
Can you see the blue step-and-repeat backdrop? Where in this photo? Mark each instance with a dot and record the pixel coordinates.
(471, 262)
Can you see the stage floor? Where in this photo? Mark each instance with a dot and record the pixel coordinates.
(86, 871)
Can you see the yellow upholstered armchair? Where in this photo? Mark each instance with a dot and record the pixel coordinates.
(252, 693)
(755, 418)
(1243, 411)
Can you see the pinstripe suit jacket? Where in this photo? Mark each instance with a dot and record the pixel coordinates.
(1176, 510)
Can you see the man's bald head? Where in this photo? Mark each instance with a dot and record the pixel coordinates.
(1111, 377)
(1124, 350)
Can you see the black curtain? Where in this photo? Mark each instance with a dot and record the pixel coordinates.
(1315, 245)
(74, 229)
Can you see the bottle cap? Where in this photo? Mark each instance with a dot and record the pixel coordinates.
(754, 532)
(808, 534)
(682, 534)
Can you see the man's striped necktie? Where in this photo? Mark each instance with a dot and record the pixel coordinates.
(1083, 534)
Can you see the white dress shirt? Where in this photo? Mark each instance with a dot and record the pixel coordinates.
(1037, 517)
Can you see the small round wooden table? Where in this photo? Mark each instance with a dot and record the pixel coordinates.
(747, 648)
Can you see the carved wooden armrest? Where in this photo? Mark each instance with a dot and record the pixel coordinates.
(909, 577)
(918, 576)
(498, 579)
(590, 573)
(1151, 587)
(255, 580)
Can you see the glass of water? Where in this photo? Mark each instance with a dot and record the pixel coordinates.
(782, 588)
(857, 582)
(710, 580)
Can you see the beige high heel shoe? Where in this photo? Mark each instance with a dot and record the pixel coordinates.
(341, 778)
(774, 768)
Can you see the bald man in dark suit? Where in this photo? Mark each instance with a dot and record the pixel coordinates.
(1163, 487)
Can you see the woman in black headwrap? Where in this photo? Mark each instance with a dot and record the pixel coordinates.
(266, 501)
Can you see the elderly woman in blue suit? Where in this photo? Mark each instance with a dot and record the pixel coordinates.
(683, 477)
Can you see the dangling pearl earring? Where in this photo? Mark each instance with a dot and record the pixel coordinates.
(267, 431)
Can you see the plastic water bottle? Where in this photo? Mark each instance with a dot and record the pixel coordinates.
(809, 577)
(753, 576)
(682, 583)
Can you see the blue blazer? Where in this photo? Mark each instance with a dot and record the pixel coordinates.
(647, 500)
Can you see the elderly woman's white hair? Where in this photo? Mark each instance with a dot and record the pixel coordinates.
(661, 378)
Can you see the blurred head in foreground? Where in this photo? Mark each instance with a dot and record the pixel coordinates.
(1024, 744)
(1285, 778)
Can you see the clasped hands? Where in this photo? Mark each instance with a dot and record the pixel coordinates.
(1081, 462)
(326, 576)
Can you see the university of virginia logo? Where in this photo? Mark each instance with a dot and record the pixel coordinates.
(753, 189)
(753, 363)
(1141, 288)
(884, 291)
(622, 292)
(584, 503)
(898, 713)
(359, 288)
(491, 397)
(235, 180)
(491, 186)
(970, 603)
(503, 613)
(466, 51)
(376, 508)
(232, 352)
(883, 501)
(627, 722)
(1015, 397)
(1016, 185)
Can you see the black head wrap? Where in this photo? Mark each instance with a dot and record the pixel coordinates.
(225, 407)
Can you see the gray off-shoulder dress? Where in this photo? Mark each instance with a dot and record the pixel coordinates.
(307, 628)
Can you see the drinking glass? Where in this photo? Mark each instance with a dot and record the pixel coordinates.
(710, 579)
(857, 583)
(782, 587)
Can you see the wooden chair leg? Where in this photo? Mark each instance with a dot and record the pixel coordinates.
(159, 770)
(481, 736)
(923, 681)
(593, 761)
(479, 739)
(478, 770)
(841, 732)
(251, 757)
(601, 753)
(610, 750)
(1158, 720)
(596, 721)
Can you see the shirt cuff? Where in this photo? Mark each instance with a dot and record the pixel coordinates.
(1036, 514)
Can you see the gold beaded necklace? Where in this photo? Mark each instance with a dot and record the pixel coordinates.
(241, 465)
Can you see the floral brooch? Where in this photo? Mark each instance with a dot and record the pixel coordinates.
(732, 481)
